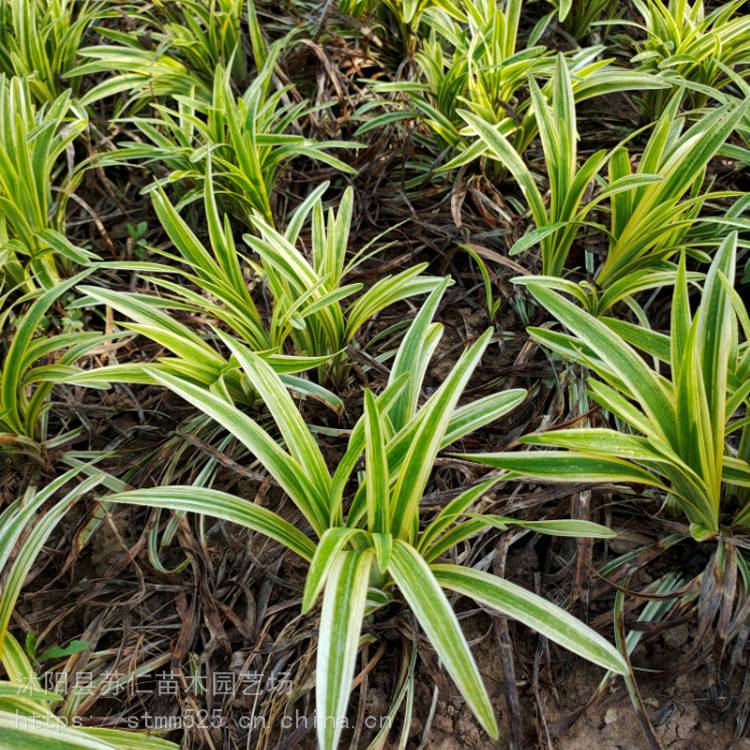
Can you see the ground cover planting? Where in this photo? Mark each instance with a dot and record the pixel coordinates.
(374, 374)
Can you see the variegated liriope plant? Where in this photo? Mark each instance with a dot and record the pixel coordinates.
(371, 548)
(407, 15)
(312, 306)
(250, 138)
(676, 427)
(691, 45)
(474, 66)
(33, 248)
(655, 210)
(678, 404)
(40, 40)
(26, 375)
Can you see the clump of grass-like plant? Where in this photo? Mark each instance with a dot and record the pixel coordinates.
(378, 548)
